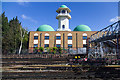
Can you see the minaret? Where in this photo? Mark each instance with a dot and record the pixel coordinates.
(63, 18)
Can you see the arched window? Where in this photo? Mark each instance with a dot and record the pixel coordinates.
(46, 36)
(58, 36)
(35, 36)
(63, 11)
(84, 36)
(63, 26)
(69, 36)
(84, 40)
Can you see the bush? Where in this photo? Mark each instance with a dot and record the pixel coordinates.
(41, 49)
(35, 50)
(55, 48)
(60, 50)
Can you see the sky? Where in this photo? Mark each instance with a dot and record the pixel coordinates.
(96, 15)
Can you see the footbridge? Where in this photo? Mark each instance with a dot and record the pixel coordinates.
(106, 42)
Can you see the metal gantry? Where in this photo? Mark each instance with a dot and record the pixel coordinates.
(105, 41)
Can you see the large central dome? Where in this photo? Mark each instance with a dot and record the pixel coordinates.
(45, 28)
(82, 28)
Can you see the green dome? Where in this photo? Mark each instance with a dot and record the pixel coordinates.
(63, 6)
(82, 28)
(45, 28)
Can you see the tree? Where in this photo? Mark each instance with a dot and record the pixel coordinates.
(15, 33)
(0, 34)
(20, 35)
(5, 34)
(11, 35)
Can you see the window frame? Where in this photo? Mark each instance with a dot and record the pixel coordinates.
(63, 11)
(58, 38)
(36, 46)
(63, 26)
(68, 45)
(69, 38)
(58, 44)
(45, 46)
(84, 38)
(46, 38)
(85, 45)
(35, 38)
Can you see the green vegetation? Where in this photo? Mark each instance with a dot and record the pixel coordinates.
(15, 38)
(41, 49)
(53, 50)
(11, 35)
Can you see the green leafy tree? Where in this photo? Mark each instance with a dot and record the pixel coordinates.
(0, 34)
(15, 26)
(11, 35)
(5, 34)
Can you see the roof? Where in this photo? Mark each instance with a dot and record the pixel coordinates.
(82, 28)
(63, 6)
(45, 28)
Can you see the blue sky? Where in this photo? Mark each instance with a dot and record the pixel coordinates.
(96, 15)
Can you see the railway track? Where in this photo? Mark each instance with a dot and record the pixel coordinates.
(57, 68)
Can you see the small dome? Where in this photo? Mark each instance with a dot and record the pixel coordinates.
(45, 28)
(82, 28)
(63, 6)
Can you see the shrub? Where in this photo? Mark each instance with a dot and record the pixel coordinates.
(60, 50)
(41, 49)
(55, 48)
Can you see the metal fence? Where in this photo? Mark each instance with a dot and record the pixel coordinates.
(48, 51)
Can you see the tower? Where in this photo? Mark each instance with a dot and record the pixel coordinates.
(63, 18)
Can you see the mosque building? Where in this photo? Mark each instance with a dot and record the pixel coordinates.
(63, 37)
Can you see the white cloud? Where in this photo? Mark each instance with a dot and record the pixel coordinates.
(28, 18)
(115, 19)
(22, 2)
(23, 16)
